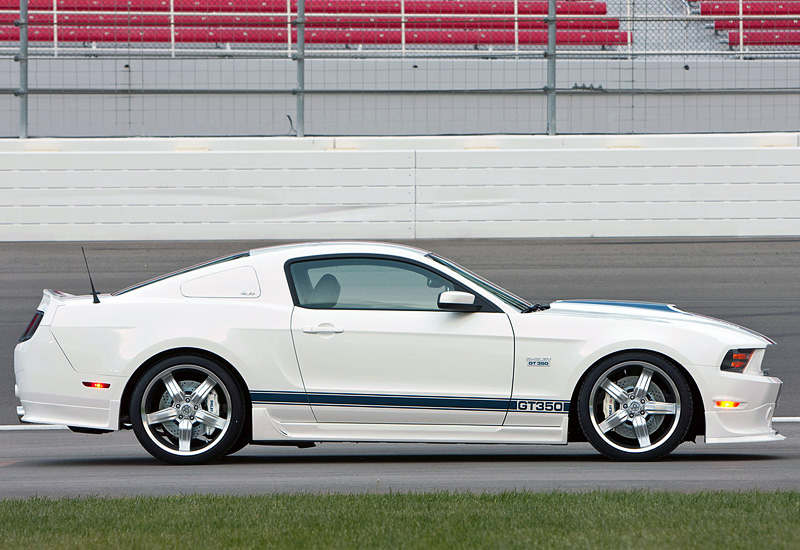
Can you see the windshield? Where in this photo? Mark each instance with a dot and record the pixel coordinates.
(182, 271)
(504, 295)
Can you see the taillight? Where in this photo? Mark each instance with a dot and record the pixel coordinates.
(736, 360)
(32, 326)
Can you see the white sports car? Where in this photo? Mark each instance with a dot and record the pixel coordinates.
(298, 344)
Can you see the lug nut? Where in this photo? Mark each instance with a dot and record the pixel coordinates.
(624, 405)
(196, 407)
(642, 413)
(642, 401)
(180, 417)
(631, 415)
(187, 399)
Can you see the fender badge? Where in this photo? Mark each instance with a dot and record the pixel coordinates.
(538, 361)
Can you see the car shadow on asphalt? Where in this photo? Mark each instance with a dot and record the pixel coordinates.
(572, 458)
(250, 457)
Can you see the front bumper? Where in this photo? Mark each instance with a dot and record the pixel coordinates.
(751, 421)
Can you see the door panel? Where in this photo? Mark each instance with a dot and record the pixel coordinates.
(418, 367)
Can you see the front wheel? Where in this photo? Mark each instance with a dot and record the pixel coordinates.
(635, 406)
(187, 410)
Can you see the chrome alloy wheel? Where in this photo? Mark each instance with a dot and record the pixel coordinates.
(635, 406)
(185, 410)
(632, 412)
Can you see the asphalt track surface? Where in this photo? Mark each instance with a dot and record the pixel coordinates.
(753, 282)
(60, 463)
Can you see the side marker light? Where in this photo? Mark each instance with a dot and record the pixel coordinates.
(98, 385)
(728, 404)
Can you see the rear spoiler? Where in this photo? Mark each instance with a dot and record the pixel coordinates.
(49, 296)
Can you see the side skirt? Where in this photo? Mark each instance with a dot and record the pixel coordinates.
(267, 429)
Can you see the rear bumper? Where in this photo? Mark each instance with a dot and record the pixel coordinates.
(51, 392)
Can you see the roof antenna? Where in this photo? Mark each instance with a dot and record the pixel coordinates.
(95, 300)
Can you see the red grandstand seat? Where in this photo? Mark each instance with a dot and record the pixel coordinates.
(749, 8)
(104, 19)
(223, 21)
(733, 24)
(335, 36)
(413, 7)
(765, 38)
(457, 23)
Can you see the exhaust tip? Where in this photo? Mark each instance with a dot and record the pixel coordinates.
(20, 411)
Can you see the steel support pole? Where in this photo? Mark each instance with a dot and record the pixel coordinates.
(300, 23)
(22, 58)
(550, 54)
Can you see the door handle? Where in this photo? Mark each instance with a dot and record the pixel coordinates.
(323, 329)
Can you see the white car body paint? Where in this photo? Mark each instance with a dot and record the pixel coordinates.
(370, 375)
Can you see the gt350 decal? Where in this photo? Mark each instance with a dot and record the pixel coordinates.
(538, 361)
(542, 406)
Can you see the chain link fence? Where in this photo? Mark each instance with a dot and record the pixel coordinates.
(396, 67)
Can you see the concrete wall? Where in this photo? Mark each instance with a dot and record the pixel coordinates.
(377, 188)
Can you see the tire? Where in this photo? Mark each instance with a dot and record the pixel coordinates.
(243, 441)
(187, 410)
(635, 406)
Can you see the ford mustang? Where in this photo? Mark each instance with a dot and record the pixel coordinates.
(308, 343)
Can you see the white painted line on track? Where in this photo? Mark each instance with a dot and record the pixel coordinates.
(786, 419)
(21, 427)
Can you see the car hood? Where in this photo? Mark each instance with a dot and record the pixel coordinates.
(654, 312)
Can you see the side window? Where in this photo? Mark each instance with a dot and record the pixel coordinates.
(366, 283)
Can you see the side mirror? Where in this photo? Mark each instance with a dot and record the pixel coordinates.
(453, 300)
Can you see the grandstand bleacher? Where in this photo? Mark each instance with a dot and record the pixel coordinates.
(338, 22)
(775, 29)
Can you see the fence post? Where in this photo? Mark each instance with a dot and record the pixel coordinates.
(403, 26)
(55, 28)
(550, 54)
(172, 27)
(300, 23)
(741, 30)
(22, 58)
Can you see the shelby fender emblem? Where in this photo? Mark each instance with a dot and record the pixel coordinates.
(538, 361)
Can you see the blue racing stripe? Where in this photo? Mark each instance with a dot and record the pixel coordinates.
(638, 305)
(278, 397)
(400, 401)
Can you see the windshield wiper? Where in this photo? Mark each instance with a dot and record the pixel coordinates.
(535, 307)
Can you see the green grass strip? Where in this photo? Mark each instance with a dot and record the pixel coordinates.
(598, 519)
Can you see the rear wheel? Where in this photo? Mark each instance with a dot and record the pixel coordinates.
(635, 406)
(187, 410)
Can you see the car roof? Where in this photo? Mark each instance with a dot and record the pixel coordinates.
(341, 247)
